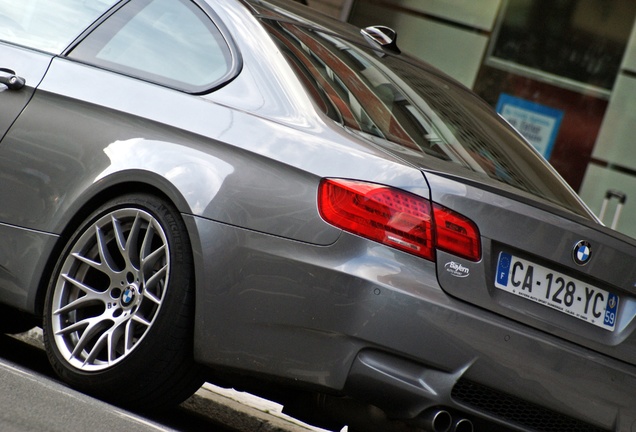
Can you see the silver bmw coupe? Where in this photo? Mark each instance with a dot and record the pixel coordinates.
(247, 193)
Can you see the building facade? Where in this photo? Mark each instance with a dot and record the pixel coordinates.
(563, 72)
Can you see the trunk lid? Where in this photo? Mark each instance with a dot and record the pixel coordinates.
(558, 273)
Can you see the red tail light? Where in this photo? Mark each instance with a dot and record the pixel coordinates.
(397, 218)
(456, 234)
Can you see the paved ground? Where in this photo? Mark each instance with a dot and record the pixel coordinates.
(237, 410)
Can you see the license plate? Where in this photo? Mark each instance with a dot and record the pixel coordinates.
(557, 291)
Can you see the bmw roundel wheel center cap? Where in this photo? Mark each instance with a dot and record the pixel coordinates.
(130, 296)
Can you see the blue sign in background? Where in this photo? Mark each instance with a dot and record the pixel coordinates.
(538, 123)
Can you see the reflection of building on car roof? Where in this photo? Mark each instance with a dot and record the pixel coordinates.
(373, 103)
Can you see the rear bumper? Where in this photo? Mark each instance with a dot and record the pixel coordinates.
(411, 390)
(360, 319)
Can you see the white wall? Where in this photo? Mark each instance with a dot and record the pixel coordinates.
(616, 146)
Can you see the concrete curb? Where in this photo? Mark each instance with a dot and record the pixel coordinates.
(243, 411)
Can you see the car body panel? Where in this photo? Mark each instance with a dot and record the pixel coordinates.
(273, 275)
(25, 256)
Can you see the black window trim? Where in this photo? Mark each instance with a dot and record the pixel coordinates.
(235, 58)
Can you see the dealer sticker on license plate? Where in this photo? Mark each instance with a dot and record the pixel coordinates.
(557, 291)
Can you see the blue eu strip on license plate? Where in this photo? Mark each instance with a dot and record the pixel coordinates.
(557, 291)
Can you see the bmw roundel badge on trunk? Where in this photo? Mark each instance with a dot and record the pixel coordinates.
(582, 252)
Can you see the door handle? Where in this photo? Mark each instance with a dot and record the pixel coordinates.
(11, 80)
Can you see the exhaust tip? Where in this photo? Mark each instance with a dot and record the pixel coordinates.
(463, 425)
(440, 421)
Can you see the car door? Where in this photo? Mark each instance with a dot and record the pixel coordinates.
(21, 70)
(31, 33)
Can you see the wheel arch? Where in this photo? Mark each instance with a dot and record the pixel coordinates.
(82, 208)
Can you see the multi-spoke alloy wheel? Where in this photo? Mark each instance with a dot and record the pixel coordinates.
(110, 289)
(119, 305)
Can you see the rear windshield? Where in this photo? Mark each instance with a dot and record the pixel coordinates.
(416, 109)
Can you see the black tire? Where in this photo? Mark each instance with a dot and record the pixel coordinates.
(118, 321)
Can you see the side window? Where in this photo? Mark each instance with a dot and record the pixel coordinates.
(169, 42)
(48, 25)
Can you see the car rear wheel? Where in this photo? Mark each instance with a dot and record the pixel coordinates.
(118, 320)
